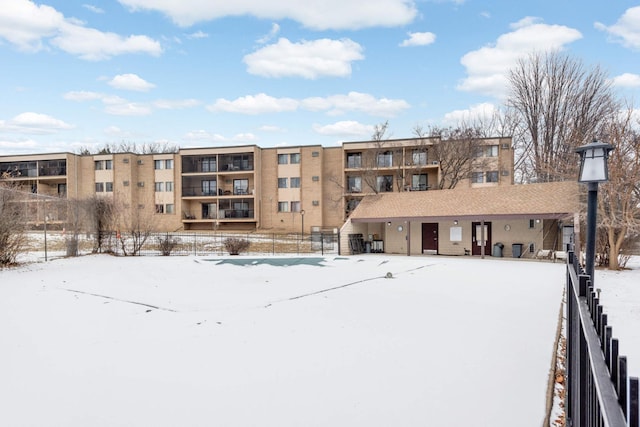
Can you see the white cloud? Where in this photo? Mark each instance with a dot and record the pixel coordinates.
(21, 146)
(627, 80)
(271, 128)
(275, 29)
(479, 111)
(198, 35)
(344, 128)
(333, 105)
(117, 105)
(356, 102)
(28, 26)
(315, 14)
(92, 8)
(419, 39)
(93, 45)
(626, 30)
(308, 59)
(487, 67)
(131, 82)
(34, 123)
(128, 109)
(176, 104)
(81, 96)
(203, 135)
(115, 131)
(258, 104)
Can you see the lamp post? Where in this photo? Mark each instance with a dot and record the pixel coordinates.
(593, 170)
(302, 229)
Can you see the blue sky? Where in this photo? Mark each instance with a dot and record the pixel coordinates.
(198, 73)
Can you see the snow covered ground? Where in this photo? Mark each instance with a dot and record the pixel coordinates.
(193, 341)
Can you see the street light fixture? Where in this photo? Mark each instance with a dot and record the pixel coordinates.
(302, 230)
(593, 170)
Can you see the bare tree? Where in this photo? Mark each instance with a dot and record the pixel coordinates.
(456, 152)
(619, 207)
(135, 228)
(12, 224)
(100, 215)
(559, 105)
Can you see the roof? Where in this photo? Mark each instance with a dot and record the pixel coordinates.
(553, 200)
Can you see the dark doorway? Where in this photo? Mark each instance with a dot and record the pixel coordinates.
(476, 238)
(430, 237)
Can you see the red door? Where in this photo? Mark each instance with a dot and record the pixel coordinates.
(476, 238)
(430, 237)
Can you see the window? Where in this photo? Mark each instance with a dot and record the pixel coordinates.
(485, 151)
(384, 183)
(240, 186)
(108, 164)
(294, 158)
(295, 182)
(283, 159)
(168, 164)
(98, 165)
(419, 182)
(315, 203)
(532, 248)
(385, 160)
(354, 160)
(168, 186)
(159, 209)
(99, 187)
(419, 157)
(208, 164)
(159, 186)
(209, 187)
(108, 186)
(315, 178)
(169, 208)
(315, 154)
(282, 182)
(125, 183)
(140, 183)
(492, 176)
(158, 164)
(354, 184)
(477, 177)
(295, 206)
(283, 206)
(532, 223)
(125, 160)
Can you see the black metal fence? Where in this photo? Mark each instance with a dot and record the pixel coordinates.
(599, 392)
(185, 243)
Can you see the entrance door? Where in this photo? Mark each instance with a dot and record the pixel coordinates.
(430, 237)
(476, 238)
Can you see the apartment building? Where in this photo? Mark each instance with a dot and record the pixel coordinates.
(247, 188)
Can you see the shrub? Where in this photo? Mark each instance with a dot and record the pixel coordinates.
(234, 245)
(167, 244)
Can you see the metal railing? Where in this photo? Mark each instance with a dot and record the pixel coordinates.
(185, 243)
(599, 392)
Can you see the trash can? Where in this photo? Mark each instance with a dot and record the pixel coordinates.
(497, 249)
(367, 247)
(516, 250)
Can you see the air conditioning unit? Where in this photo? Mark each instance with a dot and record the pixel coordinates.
(434, 162)
(140, 162)
(506, 146)
(125, 160)
(315, 203)
(141, 184)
